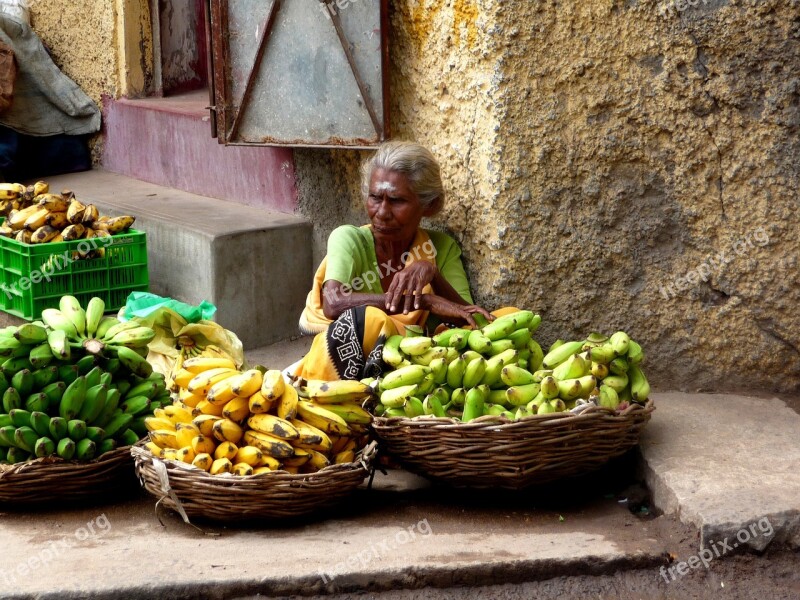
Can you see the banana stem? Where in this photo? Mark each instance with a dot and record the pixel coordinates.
(93, 346)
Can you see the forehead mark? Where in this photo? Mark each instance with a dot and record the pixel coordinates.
(385, 186)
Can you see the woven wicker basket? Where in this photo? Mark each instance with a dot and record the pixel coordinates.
(495, 452)
(277, 495)
(47, 480)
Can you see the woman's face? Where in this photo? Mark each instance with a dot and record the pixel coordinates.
(393, 208)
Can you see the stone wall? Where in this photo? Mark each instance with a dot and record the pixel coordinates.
(616, 164)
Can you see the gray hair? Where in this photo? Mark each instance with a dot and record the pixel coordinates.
(415, 162)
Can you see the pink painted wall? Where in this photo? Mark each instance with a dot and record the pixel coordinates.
(168, 141)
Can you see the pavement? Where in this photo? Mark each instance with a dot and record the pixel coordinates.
(717, 465)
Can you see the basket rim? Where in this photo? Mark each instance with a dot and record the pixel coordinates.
(45, 463)
(501, 423)
(364, 461)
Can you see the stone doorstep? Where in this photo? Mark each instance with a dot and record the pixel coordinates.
(727, 465)
(255, 265)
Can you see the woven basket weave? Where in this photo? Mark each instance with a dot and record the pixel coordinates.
(52, 479)
(495, 452)
(276, 495)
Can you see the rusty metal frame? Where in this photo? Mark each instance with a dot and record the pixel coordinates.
(222, 101)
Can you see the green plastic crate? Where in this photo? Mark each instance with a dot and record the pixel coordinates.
(27, 288)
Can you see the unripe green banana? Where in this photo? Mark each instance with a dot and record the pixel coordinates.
(8, 345)
(391, 351)
(94, 313)
(136, 405)
(599, 370)
(520, 395)
(620, 342)
(513, 375)
(41, 356)
(20, 417)
(44, 446)
(25, 438)
(22, 381)
(55, 320)
(426, 386)
(94, 403)
(117, 424)
(640, 387)
(37, 402)
(14, 365)
(454, 338)
(410, 375)
(85, 449)
(588, 385)
(137, 337)
(126, 438)
(498, 397)
(549, 387)
(30, 334)
(534, 404)
(44, 377)
(413, 407)
(11, 400)
(557, 356)
(65, 448)
(473, 373)
(7, 436)
(493, 368)
(414, 346)
(40, 423)
(520, 338)
(394, 412)
(522, 412)
(619, 366)
(93, 377)
(493, 409)
(572, 368)
(426, 358)
(57, 428)
(71, 308)
(107, 445)
(473, 405)
(556, 344)
(117, 328)
(618, 382)
(608, 397)
(433, 406)
(455, 372)
(73, 398)
(76, 429)
(635, 353)
(396, 398)
(478, 342)
(133, 362)
(458, 397)
(570, 389)
(500, 328)
(438, 368)
(86, 364)
(113, 398)
(500, 346)
(106, 323)
(68, 373)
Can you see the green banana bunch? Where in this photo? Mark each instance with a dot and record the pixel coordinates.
(640, 387)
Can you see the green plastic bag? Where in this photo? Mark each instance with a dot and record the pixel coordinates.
(142, 304)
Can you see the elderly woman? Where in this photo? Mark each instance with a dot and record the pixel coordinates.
(378, 279)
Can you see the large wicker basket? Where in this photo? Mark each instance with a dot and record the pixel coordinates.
(495, 452)
(51, 480)
(276, 495)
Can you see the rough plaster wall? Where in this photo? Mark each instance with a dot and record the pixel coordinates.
(597, 151)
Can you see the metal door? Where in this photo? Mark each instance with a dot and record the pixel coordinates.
(300, 72)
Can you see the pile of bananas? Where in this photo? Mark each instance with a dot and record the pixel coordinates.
(60, 400)
(254, 422)
(500, 369)
(34, 216)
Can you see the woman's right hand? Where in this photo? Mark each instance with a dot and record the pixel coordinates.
(449, 310)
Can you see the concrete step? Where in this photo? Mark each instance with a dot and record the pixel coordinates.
(727, 465)
(168, 141)
(254, 265)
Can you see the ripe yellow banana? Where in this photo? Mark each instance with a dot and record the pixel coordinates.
(185, 433)
(205, 423)
(178, 414)
(75, 211)
(321, 418)
(183, 377)
(248, 383)
(269, 462)
(202, 444)
(262, 470)
(90, 215)
(249, 455)
(287, 403)
(346, 456)
(318, 460)
(201, 383)
(203, 461)
(311, 437)
(226, 430)
(16, 220)
(220, 466)
(44, 234)
(237, 409)
(242, 469)
(55, 203)
(73, 232)
(206, 408)
(273, 385)
(259, 404)
(325, 392)
(226, 450)
(156, 423)
(270, 445)
(221, 393)
(199, 364)
(118, 224)
(186, 454)
(272, 425)
(164, 438)
(351, 413)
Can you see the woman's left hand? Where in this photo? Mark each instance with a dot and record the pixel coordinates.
(406, 289)
(443, 307)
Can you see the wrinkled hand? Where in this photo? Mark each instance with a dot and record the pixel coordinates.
(450, 310)
(405, 291)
